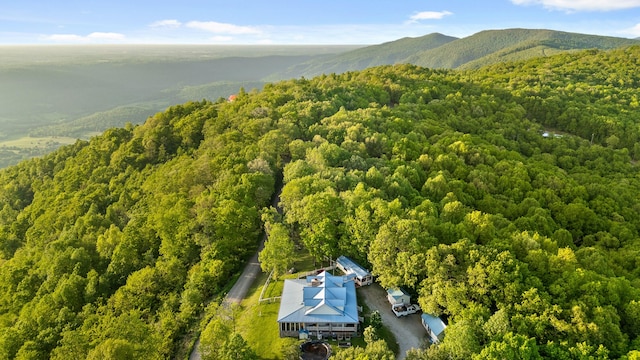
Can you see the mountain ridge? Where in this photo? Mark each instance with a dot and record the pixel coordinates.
(114, 86)
(387, 53)
(442, 51)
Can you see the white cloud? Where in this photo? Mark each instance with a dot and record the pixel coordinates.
(224, 39)
(429, 15)
(634, 31)
(582, 5)
(93, 37)
(222, 28)
(169, 23)
(65, 37)
(105, 36)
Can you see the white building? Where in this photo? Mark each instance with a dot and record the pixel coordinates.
(398, 296)
(318, 306)
(362, 276)
(434, 326)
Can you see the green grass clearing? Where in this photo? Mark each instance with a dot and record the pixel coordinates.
(258, 322)
(29, 142)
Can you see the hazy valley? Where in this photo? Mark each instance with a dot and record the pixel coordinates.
(80, 91)
(54, 94)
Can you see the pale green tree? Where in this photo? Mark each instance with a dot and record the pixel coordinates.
(236, 348)
(279, 251)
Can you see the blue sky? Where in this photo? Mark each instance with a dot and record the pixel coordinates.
(299, 21)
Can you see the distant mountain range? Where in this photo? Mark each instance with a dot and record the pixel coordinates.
(441, 51)
(77, 92)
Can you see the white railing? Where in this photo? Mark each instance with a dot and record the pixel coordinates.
(264, 288)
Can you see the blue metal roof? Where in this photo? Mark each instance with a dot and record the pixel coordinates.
(352, 266)
(321, 298)
(435, 323)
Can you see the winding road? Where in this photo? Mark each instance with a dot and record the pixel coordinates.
(237, 292)
(246, 279)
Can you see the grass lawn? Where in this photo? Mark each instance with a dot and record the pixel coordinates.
(258, 322)
(386, 335)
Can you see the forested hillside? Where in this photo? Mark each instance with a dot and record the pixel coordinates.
(388, 53)
(439, 51)
(48, 93)
(440, 180)
(491, 46)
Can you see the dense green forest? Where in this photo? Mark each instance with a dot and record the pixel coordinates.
(442, 181)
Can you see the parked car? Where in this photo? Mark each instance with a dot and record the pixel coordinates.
(405, 309)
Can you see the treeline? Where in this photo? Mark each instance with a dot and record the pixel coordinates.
(440, 181)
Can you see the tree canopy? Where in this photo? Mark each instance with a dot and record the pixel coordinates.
(505, 197)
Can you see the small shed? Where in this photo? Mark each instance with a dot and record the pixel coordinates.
(398, 296)
(434, 326)
(361, 275)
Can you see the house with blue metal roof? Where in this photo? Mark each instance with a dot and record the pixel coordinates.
(320, 305)
(362, 276)
(434, 326)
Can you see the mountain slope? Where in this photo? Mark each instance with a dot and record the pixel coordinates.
(388, 53)
(441, 51)
(493, 46)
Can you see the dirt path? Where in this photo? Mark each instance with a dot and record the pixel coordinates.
(246, 279)
(241, 287)
(195, 353)
(408, 330)
(237, 292)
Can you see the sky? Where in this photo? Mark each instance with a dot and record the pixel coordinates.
(308, 22)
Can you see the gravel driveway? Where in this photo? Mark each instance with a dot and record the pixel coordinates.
(250, 273)
(408, 329)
